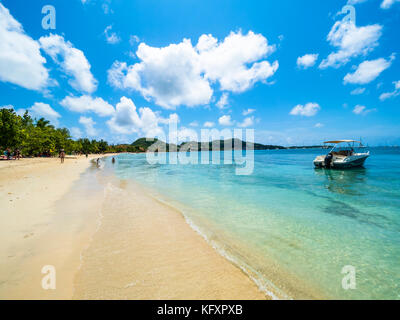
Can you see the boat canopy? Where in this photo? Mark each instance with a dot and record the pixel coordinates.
(341, 141)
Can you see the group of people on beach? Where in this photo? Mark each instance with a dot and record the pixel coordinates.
(8, 155)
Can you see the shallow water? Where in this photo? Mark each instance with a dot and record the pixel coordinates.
(292, 227)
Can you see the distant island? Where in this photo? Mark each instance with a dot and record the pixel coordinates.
(143, 144)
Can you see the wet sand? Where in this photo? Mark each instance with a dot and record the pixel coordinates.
(102, 248)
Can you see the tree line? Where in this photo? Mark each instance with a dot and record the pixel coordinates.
(37, 137)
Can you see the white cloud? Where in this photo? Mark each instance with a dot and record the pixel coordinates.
(170, 75)
(228, 62)
(225, 121)
(351, 41)
(223, 101)
(127, 119)
(76, 133)
(395, 93)
(308, 110)
(353, 2)
(318, 125)
(248, 112)
(72, 61)
(111, 37)
(368, 71)
(194, 124)
(362, 110)
(8, 106)
(209, 124)
(307, 61)
(386, 4)
(133, 39)
(88, 124)
(182, 74)
(21, 62)
(85, 104)
(247, 122)
(44, 110)
(357, 91)
(39, 110)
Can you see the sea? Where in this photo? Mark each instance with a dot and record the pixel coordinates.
(296, 231)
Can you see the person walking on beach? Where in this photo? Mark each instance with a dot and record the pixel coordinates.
(17, 154)
(62, 155)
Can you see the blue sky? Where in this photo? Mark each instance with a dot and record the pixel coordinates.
(298, 72)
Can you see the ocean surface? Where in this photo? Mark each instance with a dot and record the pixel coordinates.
(298, 232)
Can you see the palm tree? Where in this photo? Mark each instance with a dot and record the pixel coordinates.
(42, 123)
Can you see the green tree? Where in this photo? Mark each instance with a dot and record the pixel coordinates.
(10, 129)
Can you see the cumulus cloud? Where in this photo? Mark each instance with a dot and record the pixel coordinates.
(76, 133)
(247, 122)
(44, 110)
(182, 74)
(351, 41)
(84, 104)
(395, 93)
(170, 75)
(39, 110)
(319, 125)
(308, 110)
(88, 124)
(386, 4)
(209, 124)
(307, 61)
(228, 61)
(368, 71)
(225, 121)
(21, 62)
(111, 37)
(127, 119)
(223, 101)
(72, 61)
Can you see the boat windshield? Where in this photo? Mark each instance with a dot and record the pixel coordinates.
(343, 151)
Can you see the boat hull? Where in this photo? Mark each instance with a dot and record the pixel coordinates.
(345, 163)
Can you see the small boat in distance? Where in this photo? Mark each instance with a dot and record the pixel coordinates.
(342, 157)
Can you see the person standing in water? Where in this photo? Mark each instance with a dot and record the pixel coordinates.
(113, 160)
(62, 155)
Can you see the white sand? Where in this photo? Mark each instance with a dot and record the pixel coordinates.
(142, 249)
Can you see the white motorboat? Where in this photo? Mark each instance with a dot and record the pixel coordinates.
(342, 156)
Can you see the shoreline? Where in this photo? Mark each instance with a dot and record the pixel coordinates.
(161, 257)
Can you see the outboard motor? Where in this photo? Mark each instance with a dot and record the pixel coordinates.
(328, 160)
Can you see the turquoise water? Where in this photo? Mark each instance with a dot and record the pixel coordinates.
(290, 226)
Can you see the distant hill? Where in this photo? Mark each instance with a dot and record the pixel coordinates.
(230, 144)
(142, 145)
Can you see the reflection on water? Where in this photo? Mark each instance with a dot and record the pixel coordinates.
(343, 181)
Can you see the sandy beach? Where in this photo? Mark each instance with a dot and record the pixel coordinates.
(60, 215)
